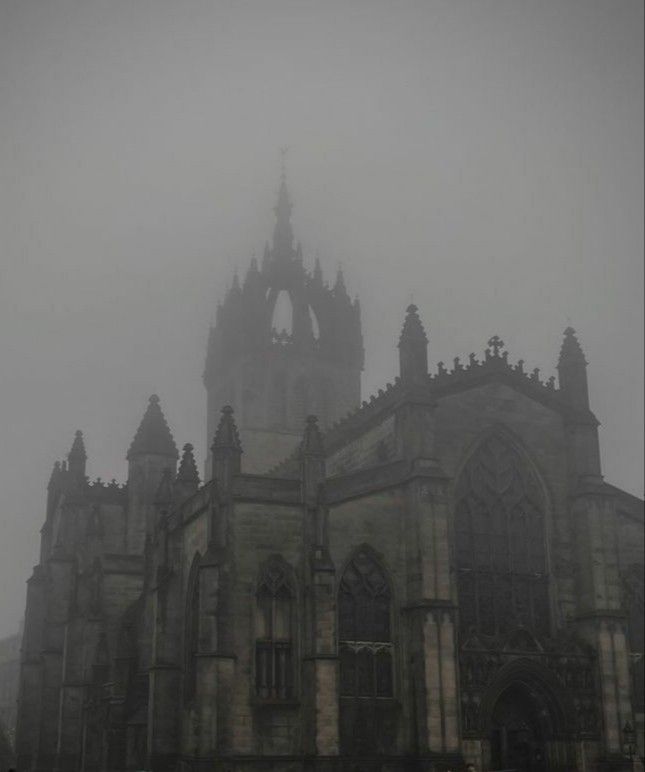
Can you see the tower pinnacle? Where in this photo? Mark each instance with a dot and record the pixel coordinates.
(77, 457)
(572, 370)
(153, 436)
(413, 348)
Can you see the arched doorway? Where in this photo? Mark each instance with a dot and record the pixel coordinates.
(527, 720)
(519, 732)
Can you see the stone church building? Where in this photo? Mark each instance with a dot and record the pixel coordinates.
(435, 577)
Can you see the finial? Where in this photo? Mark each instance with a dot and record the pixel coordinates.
(571, 351)
(77, 457)
(317, 271)
(312, 440)
(572, 370)
(226, 435)
(53, 479)
(412, 327)
(187, 474)
(78, 447)
(339, 286)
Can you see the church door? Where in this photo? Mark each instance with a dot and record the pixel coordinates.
(517, 741)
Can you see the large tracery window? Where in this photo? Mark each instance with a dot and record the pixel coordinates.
(500, 543)
(274, 656)
(366, 656)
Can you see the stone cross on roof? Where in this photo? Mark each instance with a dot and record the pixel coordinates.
(496, 343)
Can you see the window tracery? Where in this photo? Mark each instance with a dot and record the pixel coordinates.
(274, 655)
(500, 544)
(364, 629)
(366, 656)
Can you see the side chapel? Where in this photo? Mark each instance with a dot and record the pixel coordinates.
(434, 577)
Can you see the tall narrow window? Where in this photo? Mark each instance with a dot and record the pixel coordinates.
(366, 657)
(500, 543)
(364, 629)
(274, 633)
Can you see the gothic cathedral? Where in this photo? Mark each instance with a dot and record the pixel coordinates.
(437, 578)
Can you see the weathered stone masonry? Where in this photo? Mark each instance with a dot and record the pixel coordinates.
(440, 577)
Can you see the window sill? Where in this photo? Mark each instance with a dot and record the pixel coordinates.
(275, 702)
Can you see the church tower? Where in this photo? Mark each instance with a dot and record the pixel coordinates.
(285, 345)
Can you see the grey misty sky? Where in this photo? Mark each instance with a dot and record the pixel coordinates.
(484, 156)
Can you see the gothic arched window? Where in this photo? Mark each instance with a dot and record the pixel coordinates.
(191, 634)
(366, 656)
(364, 629)
(500, 543)
(275, 622)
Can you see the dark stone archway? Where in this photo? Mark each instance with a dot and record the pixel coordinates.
(519, 732)
(527, 720)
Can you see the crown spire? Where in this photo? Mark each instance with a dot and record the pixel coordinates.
(283, 232)
(153, 436)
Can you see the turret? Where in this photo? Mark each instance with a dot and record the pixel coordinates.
(413, 349)
(76, 459)
(582, 426)
(226, 449)
(152, 452)
(572, 371)
(187, 481)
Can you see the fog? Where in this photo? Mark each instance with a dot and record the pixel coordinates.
(483, 157)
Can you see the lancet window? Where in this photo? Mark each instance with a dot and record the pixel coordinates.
(274, 646)
(500, 543)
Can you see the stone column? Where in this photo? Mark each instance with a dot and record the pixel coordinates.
(59, 593)
(432, 620)
(30, 686)
(79, 635)
(321, 663)
(600, 618)
(165, 674)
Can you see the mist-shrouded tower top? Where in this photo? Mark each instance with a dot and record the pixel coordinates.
(285, 344)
